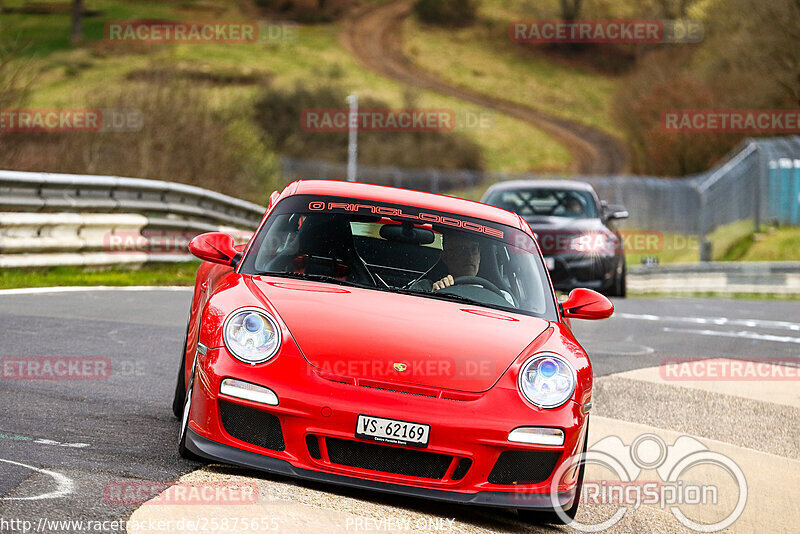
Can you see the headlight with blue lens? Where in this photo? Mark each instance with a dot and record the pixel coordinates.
(547, 380)
(252, 335)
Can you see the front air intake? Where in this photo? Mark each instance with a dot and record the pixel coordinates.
(523, 467)
(253, 426)
(387, 459)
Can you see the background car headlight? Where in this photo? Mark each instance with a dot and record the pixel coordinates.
(252, 335)
(594, 243)
(547, 380)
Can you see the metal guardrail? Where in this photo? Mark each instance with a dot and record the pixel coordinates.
(45, 192)
(722, 278)
(62, 219)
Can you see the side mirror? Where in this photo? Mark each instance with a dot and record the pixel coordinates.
(587, 304)
(215, 247)
(619, 214)
(612, 213)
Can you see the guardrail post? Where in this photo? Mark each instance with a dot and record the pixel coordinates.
(795, 215)
(759, 185)
(434, 181)
(705, 246)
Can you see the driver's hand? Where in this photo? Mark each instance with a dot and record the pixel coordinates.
(447, 281)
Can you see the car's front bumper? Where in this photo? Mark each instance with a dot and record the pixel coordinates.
(580, 270)
(212, 450)
(319, 407)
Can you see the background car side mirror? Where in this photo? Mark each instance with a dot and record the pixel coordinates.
(587, 304)
(612, 213)
(215, 247)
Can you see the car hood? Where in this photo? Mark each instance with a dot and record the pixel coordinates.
(393, 338)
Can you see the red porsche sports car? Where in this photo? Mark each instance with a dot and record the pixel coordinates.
(392, 340)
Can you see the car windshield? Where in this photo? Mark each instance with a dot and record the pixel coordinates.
(546, 203)
(403, 249)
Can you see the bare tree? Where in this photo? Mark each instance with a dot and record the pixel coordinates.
(77, 21)
(571, 9)
(674, 9)
(758, 54)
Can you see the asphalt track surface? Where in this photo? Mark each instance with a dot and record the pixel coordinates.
(89, 434)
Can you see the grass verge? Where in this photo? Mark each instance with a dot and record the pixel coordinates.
(706, 294)
(156, 274)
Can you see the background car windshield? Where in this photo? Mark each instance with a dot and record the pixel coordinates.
(402, 253)
(547, 203)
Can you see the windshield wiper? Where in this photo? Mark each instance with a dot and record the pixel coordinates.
(437, 295)
(332, 280)
(314, 277)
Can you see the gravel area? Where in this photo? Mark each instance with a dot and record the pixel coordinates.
(422, 516)
(760, 426)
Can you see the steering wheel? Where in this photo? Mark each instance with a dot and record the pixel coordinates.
(478, 281)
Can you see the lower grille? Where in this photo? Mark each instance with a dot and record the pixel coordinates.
(523, 467)
(461, 469)
(253, 426)
(387, 459)
(313, 447)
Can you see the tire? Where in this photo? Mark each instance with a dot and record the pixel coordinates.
(552, 518)
(179, 399)
(623, 285)
(618, 286)
(185, 412)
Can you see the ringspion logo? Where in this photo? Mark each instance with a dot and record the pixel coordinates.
(683, 482)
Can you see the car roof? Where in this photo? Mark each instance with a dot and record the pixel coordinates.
(409, 197)
(513, 185)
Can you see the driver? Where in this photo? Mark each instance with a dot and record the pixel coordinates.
(573, 206)
(461, 255)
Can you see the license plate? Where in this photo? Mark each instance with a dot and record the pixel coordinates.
(392, 431)
(551, 263)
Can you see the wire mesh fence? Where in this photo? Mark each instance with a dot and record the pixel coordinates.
(748, 184)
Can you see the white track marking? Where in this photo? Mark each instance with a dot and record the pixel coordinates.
(742, 334)
(65, 485)
(77, 289)
(715, 321)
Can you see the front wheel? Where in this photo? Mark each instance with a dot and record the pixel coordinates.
(618, 285)
(622, 284)
(185, 412)
(552, 518)
(179, 399)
